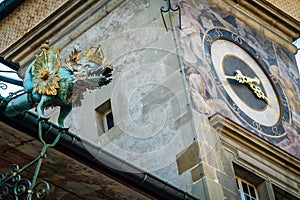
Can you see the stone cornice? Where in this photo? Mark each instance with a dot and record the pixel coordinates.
(266, 19)
(60, 27)
(273, 16)
(249, 149)
(290, 7)
(33, 39)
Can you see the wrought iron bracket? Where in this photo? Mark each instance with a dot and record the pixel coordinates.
(23, 188)
(168, 9)
(3, 86)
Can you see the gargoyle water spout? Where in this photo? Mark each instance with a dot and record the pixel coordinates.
(48, 84)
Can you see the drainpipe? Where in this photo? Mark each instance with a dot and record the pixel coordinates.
(7, 6)
(105, 162)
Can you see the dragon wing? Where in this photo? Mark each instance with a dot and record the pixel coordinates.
(89, 78)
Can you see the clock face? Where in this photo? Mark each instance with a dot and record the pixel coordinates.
(245, 82)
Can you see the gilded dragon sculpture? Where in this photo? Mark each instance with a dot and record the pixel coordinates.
(48, 84)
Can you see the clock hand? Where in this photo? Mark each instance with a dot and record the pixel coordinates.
(252, 80)
(259, 93)
(246, 79)
(243, 79)
(238, 77)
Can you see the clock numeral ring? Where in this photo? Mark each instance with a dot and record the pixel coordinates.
(275, 131)
(257, 126)
(236, 108)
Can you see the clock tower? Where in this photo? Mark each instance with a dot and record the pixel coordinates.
(208, 109)
(243, 79)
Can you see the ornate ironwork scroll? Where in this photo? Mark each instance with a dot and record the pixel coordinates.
(169, 7)
(3, 86)
(12, 184)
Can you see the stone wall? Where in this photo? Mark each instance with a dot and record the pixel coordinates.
(213, 165)
(153, 121)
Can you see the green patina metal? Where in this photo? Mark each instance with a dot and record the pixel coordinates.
(46, 83)
(23, 188)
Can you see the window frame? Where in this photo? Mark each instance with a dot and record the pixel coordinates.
(241, 192)
(105, 119)
(101, 112)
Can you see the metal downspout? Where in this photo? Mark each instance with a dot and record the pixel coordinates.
(75, 147)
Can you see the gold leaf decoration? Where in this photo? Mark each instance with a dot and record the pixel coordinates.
(96, 55)
(46, 65)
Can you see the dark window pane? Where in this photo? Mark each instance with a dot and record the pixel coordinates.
(245, 188)
(237, 183)
(252, 192)
(247, 197)
(110, 120)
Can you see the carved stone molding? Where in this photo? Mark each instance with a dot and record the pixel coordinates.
(290, 7)
(257, 154)
(61, 28)
(266, 18)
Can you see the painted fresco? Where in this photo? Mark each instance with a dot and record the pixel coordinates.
(200, 17)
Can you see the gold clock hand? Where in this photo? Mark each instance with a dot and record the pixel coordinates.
(238, 77)
(259, 93)
(231, 77)
(242, 78)
(252, 80)
(247, 79)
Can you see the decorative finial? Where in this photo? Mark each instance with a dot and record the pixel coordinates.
(45, 46)
(168, 9)
(74, 56)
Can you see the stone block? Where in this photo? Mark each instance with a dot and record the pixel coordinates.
(230, 195)
(227, 182)
(207, 189)
(210, 155)
(201, 170)
(226, 158)
(219, 159)
(189, 157)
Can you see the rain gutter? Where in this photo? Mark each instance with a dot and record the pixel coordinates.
(12, 65)
(11, 80)
(104, 162)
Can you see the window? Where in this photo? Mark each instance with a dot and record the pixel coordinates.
(280, 194)
(108, 120)
(250, 186)
(246, 190)
(253, 186)
(105, 117)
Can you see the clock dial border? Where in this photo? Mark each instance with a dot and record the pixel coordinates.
(273, 130)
